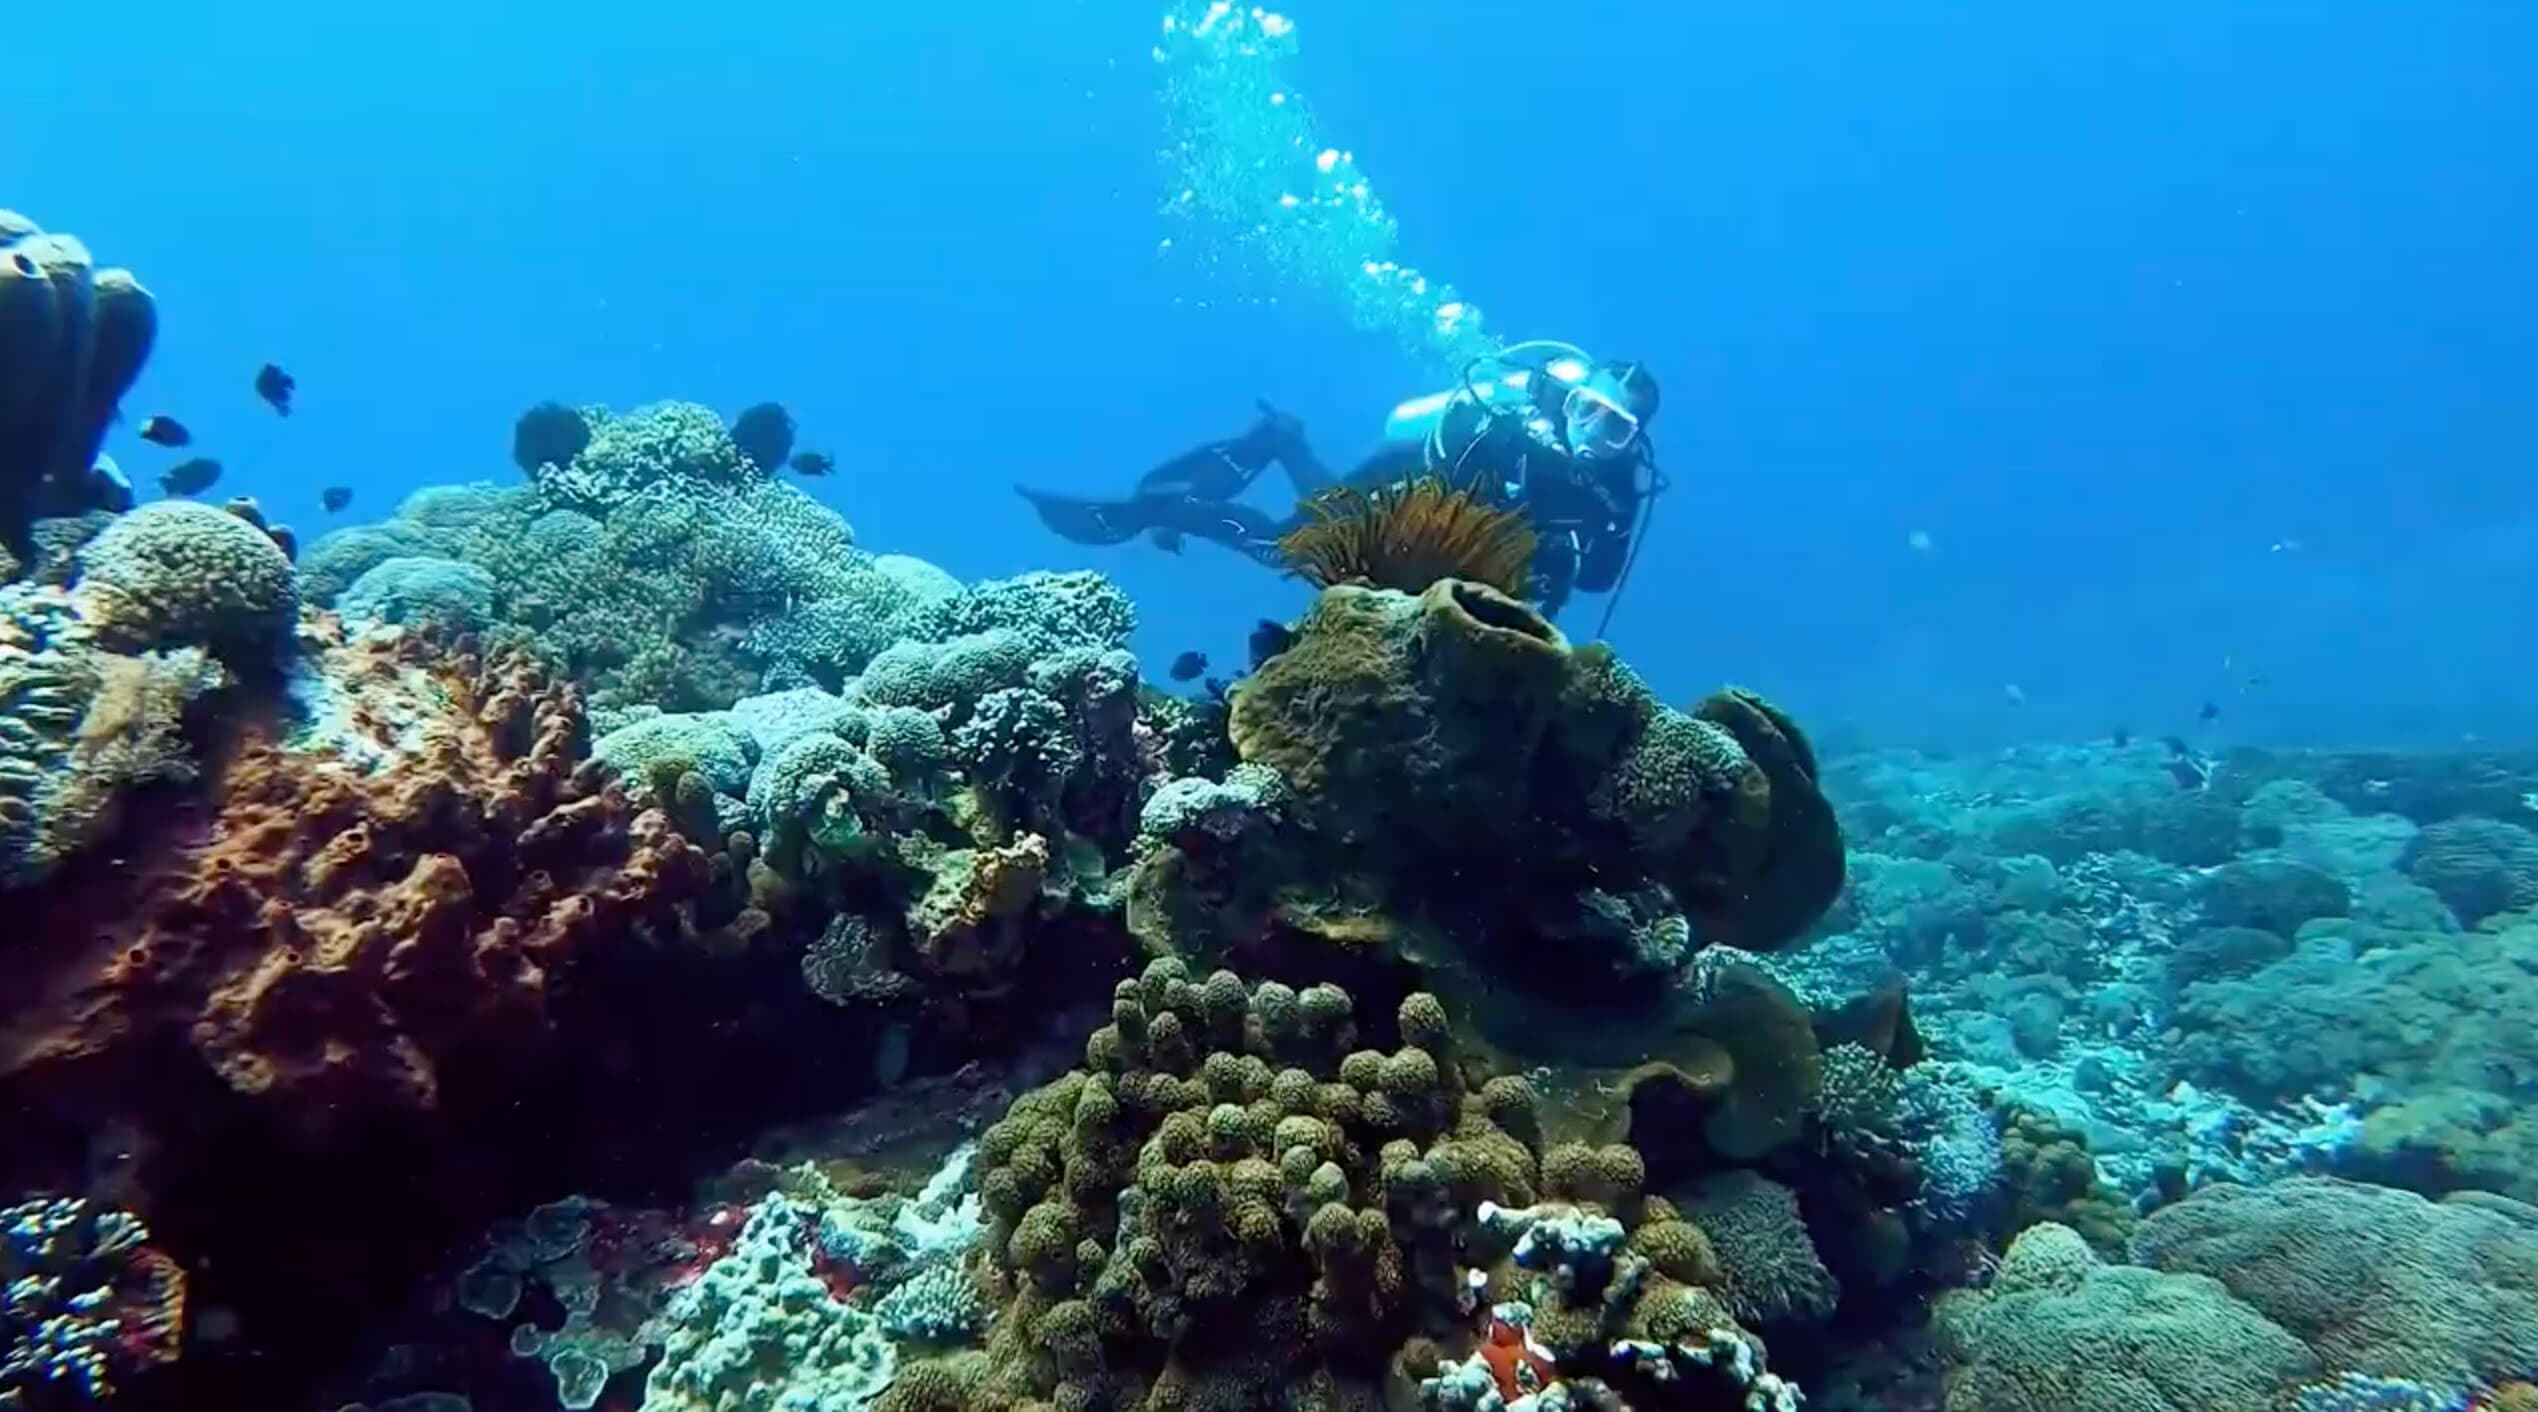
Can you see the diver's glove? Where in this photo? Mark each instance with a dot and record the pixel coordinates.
(1276, 433)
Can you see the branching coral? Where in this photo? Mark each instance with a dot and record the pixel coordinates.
(86, 1303)
(1409, 536)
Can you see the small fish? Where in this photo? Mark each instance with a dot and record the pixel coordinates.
(1216, 689)
(2123, 736)
(1188, 665)
(191, 477)
(275, 387)
(1919, 540)
(335, 497)
(2211, 712)
(813, 463)
(2014, 694)
(1268, 640)
(165, 431)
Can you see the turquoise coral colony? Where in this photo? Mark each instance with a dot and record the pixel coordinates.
(607, 939)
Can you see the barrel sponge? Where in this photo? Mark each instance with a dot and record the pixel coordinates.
(2060, 1332)
(175, 573)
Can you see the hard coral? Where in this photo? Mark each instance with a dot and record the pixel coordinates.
(2375, 1280)
(2060, 1332)
(174, 573)
(1409, 536)
(86, 1303)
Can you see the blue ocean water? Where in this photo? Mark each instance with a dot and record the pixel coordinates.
(2194, 340)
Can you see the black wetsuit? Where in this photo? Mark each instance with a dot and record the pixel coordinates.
(1582, 510)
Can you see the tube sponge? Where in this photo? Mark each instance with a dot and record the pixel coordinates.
(72, 340)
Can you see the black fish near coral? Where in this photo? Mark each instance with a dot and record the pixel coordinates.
(764, 434)
(334, 498)
(191, 477)
(813, 463)
(548, 434)
(1269, 638)
(165, 431)
(1188, 665)
(275, 387)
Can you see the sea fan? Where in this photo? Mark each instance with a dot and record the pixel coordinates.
(1408, 536)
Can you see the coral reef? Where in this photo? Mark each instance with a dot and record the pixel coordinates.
(385, 952)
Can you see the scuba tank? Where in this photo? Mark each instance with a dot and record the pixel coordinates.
(1510, 382)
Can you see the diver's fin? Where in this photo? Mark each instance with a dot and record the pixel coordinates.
(1086, 521)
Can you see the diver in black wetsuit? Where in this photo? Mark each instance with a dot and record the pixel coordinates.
(1538, 428)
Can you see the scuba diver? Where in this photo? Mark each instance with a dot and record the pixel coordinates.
(1539, 428)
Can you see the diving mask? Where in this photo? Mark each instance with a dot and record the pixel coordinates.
(1606, 410)
(1595, 425)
